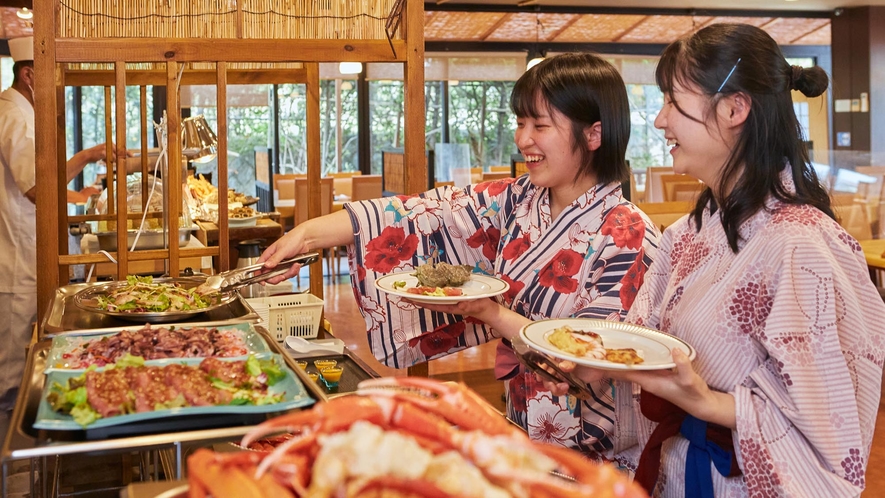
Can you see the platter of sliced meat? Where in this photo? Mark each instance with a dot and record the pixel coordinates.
(155, 343)
(133, 391)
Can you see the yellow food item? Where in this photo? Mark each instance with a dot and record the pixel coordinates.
(567, 340)
(332, 374)
(321, 364)
(301, 364)
(314, 377)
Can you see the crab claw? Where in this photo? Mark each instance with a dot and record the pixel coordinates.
(453, 402)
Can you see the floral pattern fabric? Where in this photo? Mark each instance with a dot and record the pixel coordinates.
(791, 326)
(589, 261)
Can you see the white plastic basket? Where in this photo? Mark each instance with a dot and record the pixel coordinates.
(292, 314)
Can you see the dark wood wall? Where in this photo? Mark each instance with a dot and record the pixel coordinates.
(858, 49)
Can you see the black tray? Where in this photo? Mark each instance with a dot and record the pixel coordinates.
(353, 374)
(35, 379)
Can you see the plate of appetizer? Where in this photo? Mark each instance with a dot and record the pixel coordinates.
(604, 344)
(441, 283)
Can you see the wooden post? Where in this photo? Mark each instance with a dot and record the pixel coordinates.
(46, 144)
(413, 85)
(120, 167)
(223, 229)
(314, 206)
(172, 179)
(62, 177)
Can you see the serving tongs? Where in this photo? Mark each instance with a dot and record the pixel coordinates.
(546, 368)
(238, 278)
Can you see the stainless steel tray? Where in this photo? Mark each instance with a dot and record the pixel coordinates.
(64, 315)
(23, 441)
(149, 239)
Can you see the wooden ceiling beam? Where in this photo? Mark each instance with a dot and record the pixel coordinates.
(229, 50)
(501, 20)
(17, 3)
(157, 77)
(566, 25)
(803, 35)
(630, 29)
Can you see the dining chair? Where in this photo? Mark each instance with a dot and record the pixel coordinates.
(664, 214)
(654, 189)
(443, 184)
(495, 175)
(679, 187)
(500, 168)
(284, 198)
(365, 187)
(341, 182)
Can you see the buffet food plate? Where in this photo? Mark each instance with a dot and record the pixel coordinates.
(478, 287)
(70, 351)
(90, 299)
(290, 387)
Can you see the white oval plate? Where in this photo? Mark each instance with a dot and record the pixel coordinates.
(653, 345)
(478, 287)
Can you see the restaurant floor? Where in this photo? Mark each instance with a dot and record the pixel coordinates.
(472, 367)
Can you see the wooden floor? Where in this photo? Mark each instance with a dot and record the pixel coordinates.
(474, 368)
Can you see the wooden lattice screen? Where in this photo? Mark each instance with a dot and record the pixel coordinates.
(132, 42)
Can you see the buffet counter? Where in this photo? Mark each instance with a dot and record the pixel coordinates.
(170, 433)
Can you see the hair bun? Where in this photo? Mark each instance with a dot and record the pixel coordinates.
(795, 76)
(811, 81)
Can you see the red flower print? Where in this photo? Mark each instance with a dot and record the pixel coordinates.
(516, 247)
(440, 340)
(360, 273)
(559, 272)
(523, 387)
(632, 280)
(625, 226)
(494, 187)
(389, 249)
(515, 288)
(488, 239)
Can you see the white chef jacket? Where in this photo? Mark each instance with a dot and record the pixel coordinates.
(18, 240)
(18, 215)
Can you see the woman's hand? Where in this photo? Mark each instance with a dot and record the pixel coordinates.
(683, 387)
(291, 244)
(315, 234)
(481, 309)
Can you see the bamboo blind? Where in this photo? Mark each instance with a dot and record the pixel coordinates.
(260, 19)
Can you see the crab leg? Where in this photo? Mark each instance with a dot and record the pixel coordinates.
(453, 402)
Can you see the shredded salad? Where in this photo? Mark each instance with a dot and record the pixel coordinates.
(142, 294)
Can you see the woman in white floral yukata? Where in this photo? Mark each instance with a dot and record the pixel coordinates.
(562, 236)
(782, 397)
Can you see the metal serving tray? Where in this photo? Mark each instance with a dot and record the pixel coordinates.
(23, 441)
(64, 315)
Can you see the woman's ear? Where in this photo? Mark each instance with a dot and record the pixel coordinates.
(593, 135)
(737, 108)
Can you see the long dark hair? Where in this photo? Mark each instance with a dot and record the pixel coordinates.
(586, 89)
(747, 60)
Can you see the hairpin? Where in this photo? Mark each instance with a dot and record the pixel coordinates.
(729, 75)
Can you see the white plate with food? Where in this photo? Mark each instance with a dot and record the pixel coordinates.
(407, 285)
(604, 344)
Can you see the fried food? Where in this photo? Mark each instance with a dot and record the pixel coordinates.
(590, 345)
(443, 275)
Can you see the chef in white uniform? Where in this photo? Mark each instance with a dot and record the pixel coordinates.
(18, 237)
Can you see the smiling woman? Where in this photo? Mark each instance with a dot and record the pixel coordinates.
(559, 241)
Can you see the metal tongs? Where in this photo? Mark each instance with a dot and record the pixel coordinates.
(241, 277)
(542, 365)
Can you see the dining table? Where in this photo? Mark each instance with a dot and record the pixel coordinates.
(874, 252)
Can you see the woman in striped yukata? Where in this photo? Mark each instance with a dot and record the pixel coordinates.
(775, 296)
(563, 236)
